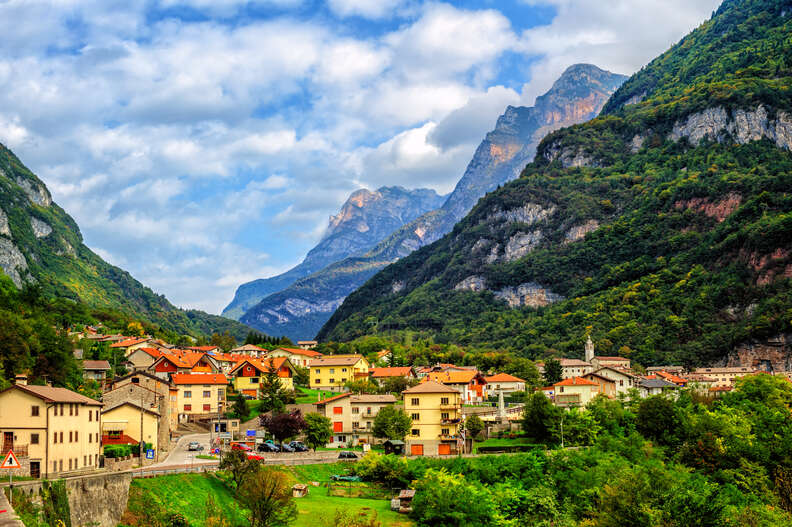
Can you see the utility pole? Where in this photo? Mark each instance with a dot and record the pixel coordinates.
(562, 431)
(141, 443)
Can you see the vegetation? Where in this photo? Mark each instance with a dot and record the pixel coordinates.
(391, 423)
(283, 426)
(318, 430)
(693, 242)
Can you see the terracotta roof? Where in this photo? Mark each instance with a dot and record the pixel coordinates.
(128, 342)
(264, 366)
(382, 353)
(600, 357)
(452, 377)
(248, 347)
(503, 377)
(576, 381)
(203, 348)
(154, 352)
(430, 387)
(56, 395)
(331, 399)
(573, 362)
(336, 360)
(299, 351)
(396, 371)
(617, 370)
(130, 403)
(199, 378)
(372, 398)
(595, 374)
(96, 365)
(671, 378)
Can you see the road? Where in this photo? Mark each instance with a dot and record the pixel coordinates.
(181, 456)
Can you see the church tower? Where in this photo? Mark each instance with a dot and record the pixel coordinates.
(589, 349)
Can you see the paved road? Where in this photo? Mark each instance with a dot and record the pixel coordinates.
(180, 456)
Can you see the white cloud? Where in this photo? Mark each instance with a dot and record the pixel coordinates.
(364, 8)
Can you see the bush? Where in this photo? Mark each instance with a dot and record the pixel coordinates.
(116, 451)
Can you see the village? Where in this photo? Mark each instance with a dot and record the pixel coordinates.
(169, 393)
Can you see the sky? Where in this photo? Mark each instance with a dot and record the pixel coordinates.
(200, 144)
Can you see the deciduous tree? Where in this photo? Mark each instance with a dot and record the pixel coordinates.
(267, 496)
(317, 430)
(391, 423)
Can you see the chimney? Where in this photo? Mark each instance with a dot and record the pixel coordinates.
(21, 380)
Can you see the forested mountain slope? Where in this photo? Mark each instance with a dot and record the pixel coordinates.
(41, 244)
(663, 227)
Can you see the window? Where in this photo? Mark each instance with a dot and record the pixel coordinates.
(71, 412)
(444, 432)
(343, 370)
(355, 424)
(338, 409)
(34, 439)
(70, 464)
(187, 394)
(444, 400)
(207, 408)
(332, 370)
(332, 381)
(76, 435)
(444, 415)
(342, 439)
(90, 438)
(54, 466)
(414, 401)
(90, 415)
(317, 381)
(61, 465)
(207, 394)
(70, 436)
(415, 417)
(344, 379)
(34, 410)
(318, 370)
(621, 382)
(254, 380)
(561, 389)
(114, 434)
(415, 432)
(188, 408)
(355, 410)
(76, 412)
(135, 380)
(97, 437)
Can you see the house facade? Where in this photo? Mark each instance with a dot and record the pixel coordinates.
(95, 370)
(297, 356)
(504, 383)
(724, 377)
(607, 386)
(574, 392)
(623, 380)
(143, 389)
(247, 375)
(574, 368)
(352, 416)
(121, 425)
(52, 431)
(333, 371)
(436, 412)
(470, 384)
(199, 394)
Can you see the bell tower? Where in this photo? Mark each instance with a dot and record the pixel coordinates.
(589, 349)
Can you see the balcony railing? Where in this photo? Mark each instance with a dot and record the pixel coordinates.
(19, 450)
(368, 415)
(449, 406)
(450, 421)
(448, 437)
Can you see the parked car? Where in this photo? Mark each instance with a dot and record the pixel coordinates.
(347, 454)
(298, 446)
(241, 446)
(254, 457)
(267, 447)
(194, 446)
(339, 477)
(286, 448)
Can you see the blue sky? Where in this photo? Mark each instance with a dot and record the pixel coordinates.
(200, 144)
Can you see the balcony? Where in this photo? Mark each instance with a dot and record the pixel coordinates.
(368, 415)
(19, 450)
(448, 437)
(449, 406)
(451, 421)
(361, 429)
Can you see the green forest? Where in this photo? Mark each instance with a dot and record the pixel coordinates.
(693, 248)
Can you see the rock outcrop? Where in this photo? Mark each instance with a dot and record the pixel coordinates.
(5, 230)
(12, 261)
(743, 126)
(772, 355)
(527, 295)
(40, 228)
(578, 232)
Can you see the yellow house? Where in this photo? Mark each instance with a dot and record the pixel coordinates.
(298, 356)
(574, 392)
(352, 416)
(199, 394)
(436, 411)
(51, 430)
(121, 425)
(247, 374)
(333, 371)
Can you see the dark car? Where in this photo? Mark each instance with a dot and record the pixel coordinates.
(347, 454)
(267, 447)
(298, 446)
(287, 448)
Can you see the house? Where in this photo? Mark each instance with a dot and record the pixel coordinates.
(384, 357)
(725, 376)
(227, 361)
(676, 370)
(610, 362)
(199, 394)
(205, 349)
(574, 392)
(333, 371)
(247, 374)
(699, 383)
(51, 430)
(670, 377)
(574, 368)
(656, 386)
(352, 416)
(307, 344)
(96, 370)
(130, 344)
(249, 350)
(297, 356)
(436, 411)
(623, 379)
(181, 361)
(380, 374)
(142, 358)
(469, 383)
(121, 424)
(149, 391)
(504, 383)
(607, 386)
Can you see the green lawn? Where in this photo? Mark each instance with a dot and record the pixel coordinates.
(307, 395)
(502, 442)
(318, 509)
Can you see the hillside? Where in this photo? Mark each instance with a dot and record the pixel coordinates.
(299, 310)
(664, 226)
(365, 218)
(40, 243)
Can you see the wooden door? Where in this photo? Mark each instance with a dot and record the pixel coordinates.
(416, 450)
(35, 469)
(8, 441)
(444, 449)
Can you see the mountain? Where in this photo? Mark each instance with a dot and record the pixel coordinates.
(365, 218)
(300, 310)
(40, 243)
(663, 227)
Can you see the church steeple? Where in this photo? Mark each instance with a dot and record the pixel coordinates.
(589, 349)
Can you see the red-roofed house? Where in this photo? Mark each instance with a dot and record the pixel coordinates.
(469, 383)
(205, 349)
(574, 392)
(246, 375)
(624, 379)
(142, 358)
(181, 361)
(199, 393)
(610, 362)
(396, 371)
(504, 383)
(298, 357)
(131, 344)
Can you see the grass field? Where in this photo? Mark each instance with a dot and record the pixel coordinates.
(502, 442)
(188, 493)
(307, 395)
